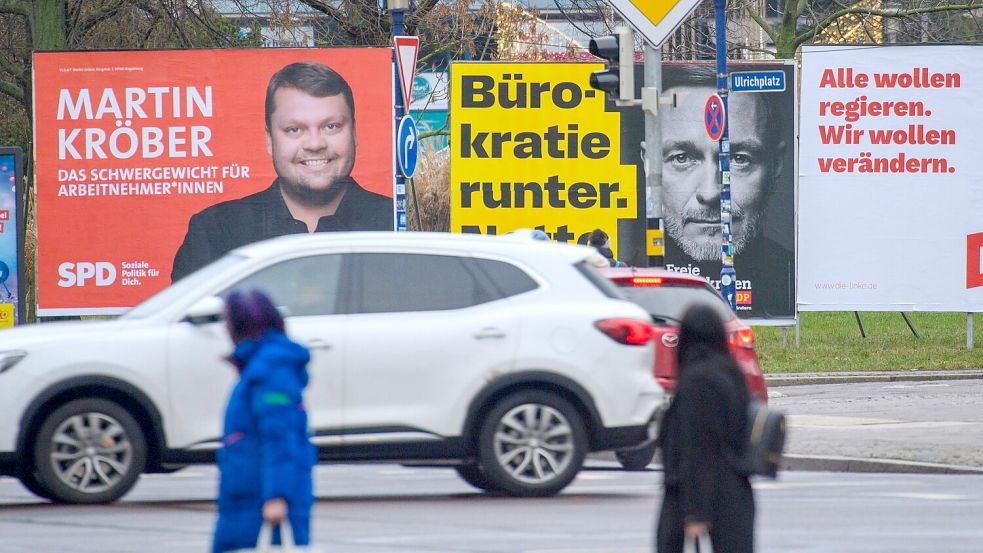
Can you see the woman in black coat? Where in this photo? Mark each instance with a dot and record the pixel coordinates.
(702, 441)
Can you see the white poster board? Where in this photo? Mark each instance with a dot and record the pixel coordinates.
(891, 179)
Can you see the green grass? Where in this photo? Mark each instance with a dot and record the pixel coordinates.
(832, 342)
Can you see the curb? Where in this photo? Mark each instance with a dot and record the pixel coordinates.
(814, 463)
(802, 379)
(856, 464)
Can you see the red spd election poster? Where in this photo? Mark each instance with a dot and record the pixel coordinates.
(151, 164)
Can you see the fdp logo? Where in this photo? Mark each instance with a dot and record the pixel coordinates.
(743, 297)
(974, 261)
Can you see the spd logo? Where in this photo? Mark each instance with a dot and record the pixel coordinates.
(100, 273)
(743, 297)
(974, 261)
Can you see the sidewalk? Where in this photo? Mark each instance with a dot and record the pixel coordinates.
(828, 431)
(935, 430)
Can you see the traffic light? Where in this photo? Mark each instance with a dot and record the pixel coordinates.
(619, 78)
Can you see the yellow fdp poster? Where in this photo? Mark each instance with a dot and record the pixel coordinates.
(533, 147)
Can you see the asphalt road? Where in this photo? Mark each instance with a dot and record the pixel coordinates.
(925, 426)
(393, 509)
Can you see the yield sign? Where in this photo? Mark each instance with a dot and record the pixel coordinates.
(654, 19)
(406, 50)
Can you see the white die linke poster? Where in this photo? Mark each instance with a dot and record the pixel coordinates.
(891, 179)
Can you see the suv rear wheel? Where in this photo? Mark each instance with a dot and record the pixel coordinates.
(88, 451)
(636, 458)
(532, 443)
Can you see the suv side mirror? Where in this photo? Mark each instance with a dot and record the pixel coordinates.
(210, 309)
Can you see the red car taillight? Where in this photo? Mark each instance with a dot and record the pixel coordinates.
(631, 332)
(743, 338)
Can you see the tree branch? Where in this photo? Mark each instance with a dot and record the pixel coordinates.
(334, 13)
(16, 7)
(791, 15)
(12, 90)
(325, 8)
(896, 14)
(207, 20)
(102, 14)
(8, 66)
(765, 26)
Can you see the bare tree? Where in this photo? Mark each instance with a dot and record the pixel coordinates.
(832, 21)
(448, 29)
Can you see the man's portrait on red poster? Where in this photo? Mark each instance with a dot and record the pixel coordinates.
(159, 162)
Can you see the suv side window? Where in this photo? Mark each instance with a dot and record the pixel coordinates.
(509, 279)
(402, 282)
(304, 285)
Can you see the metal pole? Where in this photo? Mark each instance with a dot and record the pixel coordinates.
(728, 277)
(911, 325)
(860, 323)
(654, 234)
(969, 331)
(397, 9)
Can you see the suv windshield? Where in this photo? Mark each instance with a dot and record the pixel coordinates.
(671, 302)
(182, 287)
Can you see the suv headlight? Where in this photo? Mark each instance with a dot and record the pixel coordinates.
(10, 358)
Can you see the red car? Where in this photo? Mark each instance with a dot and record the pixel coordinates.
(666, 295)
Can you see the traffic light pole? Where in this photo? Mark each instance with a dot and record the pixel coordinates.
(728, 276)
(618, 82)
(654, 234)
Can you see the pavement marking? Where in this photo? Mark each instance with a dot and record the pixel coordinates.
(605, 550)
(593, 490)
(597, 476)
(833, 421)
(928, 385)
(786, 485)
(925, 496)
(168, 476)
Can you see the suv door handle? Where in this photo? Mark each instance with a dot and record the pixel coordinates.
(318, 344)
(489, 333)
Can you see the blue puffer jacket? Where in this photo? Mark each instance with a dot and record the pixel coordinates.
(266, 451)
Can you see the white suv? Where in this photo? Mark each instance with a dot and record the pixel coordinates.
(507, 357)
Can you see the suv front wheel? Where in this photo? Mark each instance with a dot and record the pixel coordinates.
(88, 451)
(475, 475)
(532, 443)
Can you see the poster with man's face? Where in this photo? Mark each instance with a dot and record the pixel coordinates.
(762, 179)
(150, 164)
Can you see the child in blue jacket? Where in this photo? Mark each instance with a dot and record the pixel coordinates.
(266, 458)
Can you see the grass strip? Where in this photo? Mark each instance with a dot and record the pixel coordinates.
(831, 341)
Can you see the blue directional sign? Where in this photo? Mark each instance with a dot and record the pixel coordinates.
(407, 146)
(757, 81)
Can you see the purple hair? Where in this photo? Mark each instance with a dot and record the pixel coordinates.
(249, 314)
